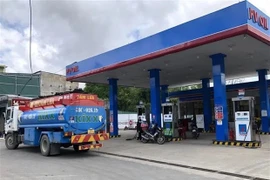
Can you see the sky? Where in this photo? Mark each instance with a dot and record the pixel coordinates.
(65, 31)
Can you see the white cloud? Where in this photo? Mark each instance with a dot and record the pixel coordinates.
(68, 31)
(14, 47)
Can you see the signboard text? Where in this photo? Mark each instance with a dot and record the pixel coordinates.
(46, 116)
(256, 18)
(42, 102)
(87, 119)
(72, 70)
(85, 97)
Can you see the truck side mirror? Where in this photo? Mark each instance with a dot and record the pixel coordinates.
(4, 114)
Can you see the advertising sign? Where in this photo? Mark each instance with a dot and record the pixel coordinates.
(264, 113)
(257, 18)
(63, 99)
(168, 132)
(200, 120)
(242, 129)
(111, 122)
(219, 114)
(241, 92)
(72, 70)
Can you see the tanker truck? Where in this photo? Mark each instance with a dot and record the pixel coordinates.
(65, 120)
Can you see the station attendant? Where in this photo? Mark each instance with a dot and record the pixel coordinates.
(139, 128)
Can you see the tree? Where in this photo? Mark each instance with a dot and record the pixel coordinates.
(101, 90)
(128, 97)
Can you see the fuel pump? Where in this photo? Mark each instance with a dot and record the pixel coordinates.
(143, 112)
(245, 127)
(170, 117)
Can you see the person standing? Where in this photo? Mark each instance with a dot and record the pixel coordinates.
(139, 128)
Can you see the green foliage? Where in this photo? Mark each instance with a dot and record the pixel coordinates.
(128, 97)
(102, 90)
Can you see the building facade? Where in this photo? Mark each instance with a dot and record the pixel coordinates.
(20, 84)
(51, 83)
(39, 84)
(23, 85)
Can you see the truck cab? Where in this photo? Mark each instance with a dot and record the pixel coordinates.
(11, 127)
(11, 119)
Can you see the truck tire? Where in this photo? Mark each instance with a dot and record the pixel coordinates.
(10, 142)
(76, 148)
(45, 146)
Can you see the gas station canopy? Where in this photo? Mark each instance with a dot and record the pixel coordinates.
(240, 31)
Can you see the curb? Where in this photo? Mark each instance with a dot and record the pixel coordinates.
(184, 166)
(256, 144)
(207, 132)
(264, 133)
(117, 136)
(174, 139)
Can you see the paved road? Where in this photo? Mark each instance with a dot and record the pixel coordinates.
(27, 163)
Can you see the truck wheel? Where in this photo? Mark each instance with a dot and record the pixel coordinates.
(10, 142)
(45, 146)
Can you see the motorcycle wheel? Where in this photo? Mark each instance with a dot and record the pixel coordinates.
(161, 140)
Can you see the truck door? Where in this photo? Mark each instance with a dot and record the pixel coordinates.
(2, 122)
(8, 119)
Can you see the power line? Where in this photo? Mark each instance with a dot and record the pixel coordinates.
(30, 35)
(30, 45)
(59, 70)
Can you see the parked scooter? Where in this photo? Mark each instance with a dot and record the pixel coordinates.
(195, 131)
(155, 135)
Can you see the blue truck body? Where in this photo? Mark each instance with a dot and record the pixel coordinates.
(55, 122)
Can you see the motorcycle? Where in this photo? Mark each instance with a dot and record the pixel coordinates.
(157, 136)
(195, 131)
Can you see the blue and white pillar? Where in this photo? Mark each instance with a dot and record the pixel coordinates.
(113, 107)
(220, 97)
(155, 96)
(207, 108)
(164, 93)
(264, 100)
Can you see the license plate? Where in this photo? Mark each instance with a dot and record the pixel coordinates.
(84, 147)
(91, 131)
